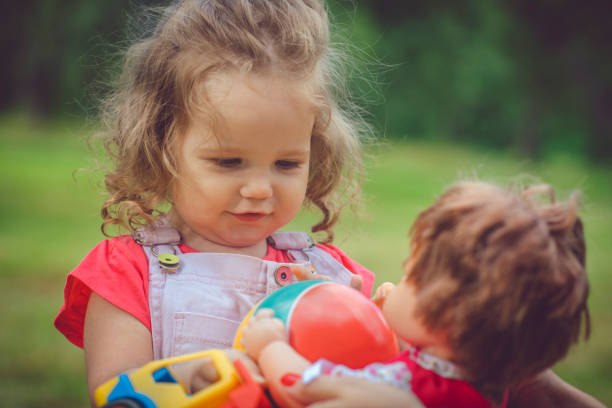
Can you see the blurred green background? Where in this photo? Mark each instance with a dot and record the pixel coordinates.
(510, 91)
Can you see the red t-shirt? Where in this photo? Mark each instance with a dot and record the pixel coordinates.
(426, 378)
(117, 270)
(436, 391)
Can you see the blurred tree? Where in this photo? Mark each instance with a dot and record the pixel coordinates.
(566, 53)
(533, 75)
(55, 51)
(453, 76)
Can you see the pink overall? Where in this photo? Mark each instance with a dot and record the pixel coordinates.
(201, 304)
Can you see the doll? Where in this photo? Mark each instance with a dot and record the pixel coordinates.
(494, 292)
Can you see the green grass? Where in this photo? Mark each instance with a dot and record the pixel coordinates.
(49, 220)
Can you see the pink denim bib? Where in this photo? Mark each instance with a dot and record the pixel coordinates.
(201, 304)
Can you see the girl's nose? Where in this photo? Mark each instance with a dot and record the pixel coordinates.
(258, 188)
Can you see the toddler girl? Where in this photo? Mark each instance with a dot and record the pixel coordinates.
(227, 116)
(494, 293)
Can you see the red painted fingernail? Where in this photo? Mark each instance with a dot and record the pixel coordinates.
(289, 379)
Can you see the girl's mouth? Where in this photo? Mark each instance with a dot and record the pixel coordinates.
(249, 216)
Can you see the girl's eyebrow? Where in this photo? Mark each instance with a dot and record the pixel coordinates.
(295, 152)
(238, 151)
(207, 150)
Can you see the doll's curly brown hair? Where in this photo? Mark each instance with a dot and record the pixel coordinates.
(160, 89)
(502, 275)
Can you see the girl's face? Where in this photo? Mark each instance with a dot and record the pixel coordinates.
(238, 186)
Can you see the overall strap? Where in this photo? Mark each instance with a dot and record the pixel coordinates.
(161, 240)
(290, 240)
(301, 248)
(159, 232)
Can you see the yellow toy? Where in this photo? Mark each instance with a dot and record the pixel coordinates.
(154, 385)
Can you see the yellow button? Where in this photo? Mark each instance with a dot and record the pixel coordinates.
(168, 262)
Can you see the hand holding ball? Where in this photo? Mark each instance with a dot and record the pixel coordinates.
(332, 321)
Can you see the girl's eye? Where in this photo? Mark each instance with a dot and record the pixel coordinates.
(287, 164)
(229, 162)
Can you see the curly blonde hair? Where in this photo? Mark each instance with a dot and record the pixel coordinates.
(159, 90)
(503, 276)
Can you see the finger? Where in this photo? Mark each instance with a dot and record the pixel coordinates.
(264, 314)
(327, 404)
(278, 324)
(248, 363)
(254, 371)
(381, 293)
(204, 375)
(356, 282)
(319, 389)
(318, 276)
(198, 384)
(264, 321)
(258, 378)
(387, 287)
(234, 354)
(378, 301)
(301, 272)
(207, 371)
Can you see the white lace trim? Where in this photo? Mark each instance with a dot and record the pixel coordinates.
(439, 366)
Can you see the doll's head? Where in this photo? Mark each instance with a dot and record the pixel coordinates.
(168, 79)
(501, 277)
